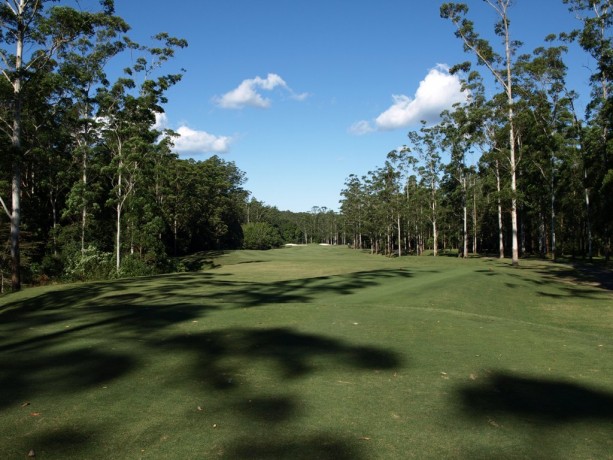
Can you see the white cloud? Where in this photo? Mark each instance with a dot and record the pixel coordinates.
(189, 140)
(193, 141)
(361, 127)
(299, 97)
(161, 121)
(438, 91)
(246, 94)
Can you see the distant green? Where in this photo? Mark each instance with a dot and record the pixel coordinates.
(312, 352)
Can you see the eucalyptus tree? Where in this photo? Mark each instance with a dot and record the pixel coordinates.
(315, 227)
(352, 208)
(500, 66)
(492, 162)
(544, 96)
(374, 221)
(127, 109)
(389, 191)
(427, 144)
(403, 163)
(596, 38)
(82, 70)
(30, 36)
(177, 207)
(464, 129)
(220, 198)
(458, 132)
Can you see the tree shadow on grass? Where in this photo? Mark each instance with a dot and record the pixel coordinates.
(291, 352)
(536, 406)
(322, 447)
(543, 401)
(580, 278)
(220, 363)
(58, 372)
(61, 343)
(58, 442)
(568, 281)
(201, 260)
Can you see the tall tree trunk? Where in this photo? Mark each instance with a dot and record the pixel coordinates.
(434, 238)
(84, 209)
(118, 225)
(465, 238)
(17, 154)
(399, 236)
(15, 225)
(474, 218)
(174, 234)
(512, 153)
(434, 229)
(553, 212)
(500, 228)
(118, 239)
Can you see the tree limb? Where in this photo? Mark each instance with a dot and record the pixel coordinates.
(5, 208)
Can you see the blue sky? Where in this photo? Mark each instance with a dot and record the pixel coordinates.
(302, 93)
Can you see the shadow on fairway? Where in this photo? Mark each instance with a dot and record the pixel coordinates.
(221, 363)
(291, 353)
(65, 342)
(542, 401)
(571, 282)
(580, 276)
(322, 447)
(536, 406)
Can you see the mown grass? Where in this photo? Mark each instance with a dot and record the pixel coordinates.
(312, 352)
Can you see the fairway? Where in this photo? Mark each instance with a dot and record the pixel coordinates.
(312, 352)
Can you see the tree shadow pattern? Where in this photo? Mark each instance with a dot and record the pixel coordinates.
(569, 282)
(540, 405)
(43, 350)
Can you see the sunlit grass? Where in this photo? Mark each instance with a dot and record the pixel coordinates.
(312, 352)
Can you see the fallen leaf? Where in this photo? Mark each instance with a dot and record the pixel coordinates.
(364, 438)
(493, 423)
(36, 414)
(31, 453)
(27, 403)
(200, 408)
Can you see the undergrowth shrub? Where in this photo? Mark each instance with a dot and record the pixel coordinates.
(261, 235)
(133, 265)
(91, 264)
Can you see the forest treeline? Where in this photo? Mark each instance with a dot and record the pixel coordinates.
(91, 187)
(542, 182)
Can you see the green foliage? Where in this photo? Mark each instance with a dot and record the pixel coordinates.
(260, 235)
(133, 265)
(91, 264)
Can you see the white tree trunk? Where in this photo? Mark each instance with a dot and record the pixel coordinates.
(475, 218)
(500, 228)
(399, 237)
(465, 250)
(118, 225)
(16, 151)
